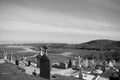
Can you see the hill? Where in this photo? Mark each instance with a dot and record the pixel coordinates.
(102, 45)
(109, 49)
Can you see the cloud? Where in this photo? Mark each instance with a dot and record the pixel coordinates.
(24, 13)
(35, 27)
(29, 19)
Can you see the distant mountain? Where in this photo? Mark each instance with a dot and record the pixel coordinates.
(100, 45)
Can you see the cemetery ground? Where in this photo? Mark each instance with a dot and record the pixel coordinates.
(12, 72)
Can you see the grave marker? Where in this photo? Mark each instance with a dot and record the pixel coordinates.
(74, 64)
(114, 62)
(80, 74)
(70, 63)
(5, 55)
(86, 63)
(110, 64)
(17, 62)
(78, 62)
(45, 67)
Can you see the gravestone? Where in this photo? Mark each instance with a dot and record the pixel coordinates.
(74, 66)
(17, 62)
(66, 65)
(29, 63)
(45, 67)
(113, 62)
(63, 65)
(78, 62)
(80, 74)
(110, 64)
(92, 63)
(86, 63)
(34, 73)
(9, 57)
(70, 63)
(5, 55)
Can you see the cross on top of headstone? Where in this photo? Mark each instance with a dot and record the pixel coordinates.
(45, 48)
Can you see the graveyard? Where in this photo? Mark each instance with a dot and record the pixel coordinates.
(54, 64)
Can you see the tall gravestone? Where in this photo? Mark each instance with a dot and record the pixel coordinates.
(113, 62)
(9, 57)
(86, 63)
(70, 63)
(80, 74)
(16, 60)
(78, 62)
(45, 67)
(5, 55)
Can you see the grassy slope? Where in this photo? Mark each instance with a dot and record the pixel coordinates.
(101, 44)
(12, 72)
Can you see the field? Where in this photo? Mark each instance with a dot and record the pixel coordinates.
(55, 55)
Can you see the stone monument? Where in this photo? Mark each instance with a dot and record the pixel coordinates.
(70, 63)
(45, 66)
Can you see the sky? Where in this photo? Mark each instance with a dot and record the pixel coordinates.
(65, 21)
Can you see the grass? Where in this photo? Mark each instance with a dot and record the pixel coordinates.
(75, 52)
(12, 72)
(11, 49)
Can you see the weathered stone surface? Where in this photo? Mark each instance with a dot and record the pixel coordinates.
(45, 67)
